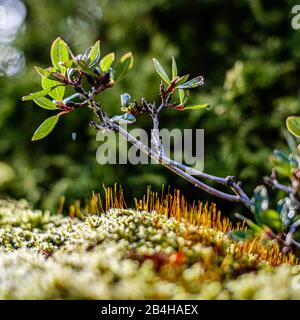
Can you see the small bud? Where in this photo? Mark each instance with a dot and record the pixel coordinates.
(110, 84)
(90, 79)
(97, 71)
(60, 104)
(71, 73)
(57, 76)
(125, 99)
(179, 107)
(106, 78)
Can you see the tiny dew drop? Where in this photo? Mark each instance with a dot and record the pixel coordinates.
(74, 134)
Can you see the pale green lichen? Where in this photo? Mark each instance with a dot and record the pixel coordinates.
(127, 254)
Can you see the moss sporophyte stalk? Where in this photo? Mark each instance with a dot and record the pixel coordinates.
(165, 248)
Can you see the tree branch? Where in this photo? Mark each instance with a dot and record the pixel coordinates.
(165, 162)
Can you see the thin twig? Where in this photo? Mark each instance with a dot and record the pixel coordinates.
(289, 236)
(229, 181)
(275, 184)
(158, 158)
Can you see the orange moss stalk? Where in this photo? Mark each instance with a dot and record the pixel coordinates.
(209, 226)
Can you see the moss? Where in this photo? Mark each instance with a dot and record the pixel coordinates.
(129, 254)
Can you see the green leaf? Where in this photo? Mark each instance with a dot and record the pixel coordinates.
(86, 54)
(49, 73)
(58, 90)
(45, 128)
(263, 215)
(271, 219)
(57, 76)
(196, 82)
(291, 141)
(59, 53)
(281, 162)
(250, 223)
(81, 62)
(43, 72)
(293, 125)
(242, 235)
(181, 80)
(294, 163)
(107, 61)
(287, 211)
(181, 96)
(45, 103)
(129, 56)
(197, 107)
(82, 65)
(37, 94)
(68, 64)
(71, 73)
(260, 202)
(161, 72)
(125, 64)
(94, 55)
(174, 68)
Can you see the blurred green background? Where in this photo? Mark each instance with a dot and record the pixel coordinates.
(247, 51)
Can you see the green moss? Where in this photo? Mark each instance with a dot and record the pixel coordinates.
(127, 254)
